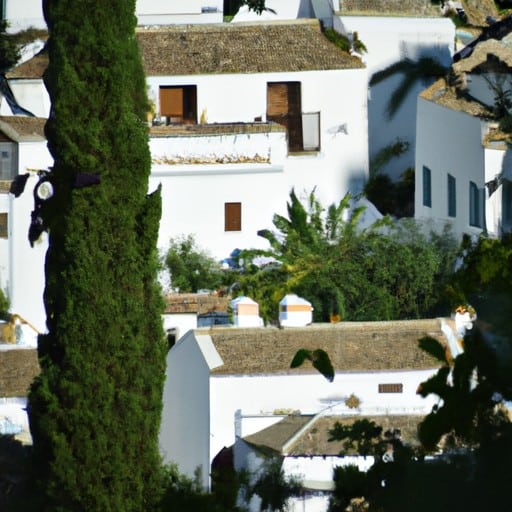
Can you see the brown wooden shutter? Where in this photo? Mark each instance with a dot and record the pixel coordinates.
(4, 227)
(171, 101)
(284, 106)
(232, 216)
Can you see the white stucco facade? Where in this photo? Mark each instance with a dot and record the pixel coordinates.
(340, 165)
(389, 40)
(22, 14)
(202, 411)
(451, 143)
(22, 266)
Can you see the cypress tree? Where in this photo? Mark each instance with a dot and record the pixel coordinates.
(95, 408)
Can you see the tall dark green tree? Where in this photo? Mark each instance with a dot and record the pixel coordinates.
(95, 408)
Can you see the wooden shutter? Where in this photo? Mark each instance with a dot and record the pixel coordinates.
(4, 228)
(171, 101)
(390, 388)
(284, 107)
(232, 216)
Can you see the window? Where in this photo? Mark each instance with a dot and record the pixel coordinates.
(452, 196)
(284, 106)
(179, 104)
(232, 216)
(476, 204)
(507, 202)
(8, 160)
(390, 388)
(427, 187)
(4, 228)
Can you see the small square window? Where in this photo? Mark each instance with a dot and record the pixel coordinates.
(232, 216)
(390, 388)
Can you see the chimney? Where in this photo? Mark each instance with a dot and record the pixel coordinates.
(295, 311)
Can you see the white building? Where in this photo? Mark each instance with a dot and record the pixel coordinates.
(217, 376)
(463, 164)
(223, 96)
(22, 14)
(23, 151)
(402, 30)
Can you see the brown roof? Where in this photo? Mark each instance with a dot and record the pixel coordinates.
(194, 303)
(488, 53)
(499, 49)
(315, 439)
(306, 435)
(477, 11)
(32, 68)
(297, 45)
(20, 128)
(275, 437)
(351, 346)
(18, 368)
(442, 94)
(388, 8)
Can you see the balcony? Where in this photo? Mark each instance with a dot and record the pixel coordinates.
(303, 130)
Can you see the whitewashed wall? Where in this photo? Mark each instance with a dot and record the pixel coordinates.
(480, 86)
(448, 141)
(309, 394)
(163, 12)
(31, 95)
(388, 40)
(497, 163)
(26, 273)
(185, 429)
(340, 97)
(22, 14)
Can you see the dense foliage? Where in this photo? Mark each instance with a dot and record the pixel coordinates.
(95, 409)
(190, 268)
(385, 272)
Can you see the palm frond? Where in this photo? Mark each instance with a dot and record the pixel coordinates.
(402, 66)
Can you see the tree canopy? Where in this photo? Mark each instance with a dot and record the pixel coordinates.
(95, 408)
(383, 272)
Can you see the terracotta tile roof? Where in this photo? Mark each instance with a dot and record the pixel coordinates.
(31, 69)
(296, 45)
(221, 48)
(194, 303)
(273, 439)
(442, 94)
(19, 128)
(315, 439)
(312, 433)
(352, 346)
(18, 368)
(388, 7)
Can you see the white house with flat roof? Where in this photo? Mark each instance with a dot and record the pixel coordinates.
(216, 376)
(22, 14)
(463, 161)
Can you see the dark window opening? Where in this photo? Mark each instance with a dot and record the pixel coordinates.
(178, 104)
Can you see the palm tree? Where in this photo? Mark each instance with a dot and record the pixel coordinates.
(412, 71)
